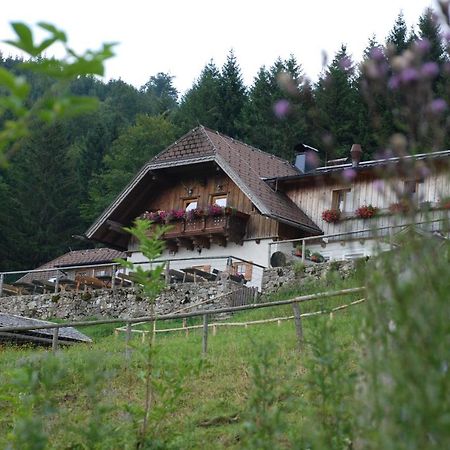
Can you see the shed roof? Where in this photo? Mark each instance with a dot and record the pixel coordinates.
(74, 258)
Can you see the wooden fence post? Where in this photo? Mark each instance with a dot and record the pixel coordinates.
(127, 342)
(55, 340)
(113, 279)
(303, 251)
(57, 282)
(205, 334)
(298, 324)
(185, 326)
(1, 284)
(167, 272)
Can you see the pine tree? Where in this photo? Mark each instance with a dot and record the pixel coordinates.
(276, 117)
(161, 93)
(398, 39)
(128, 153)
(430, 31)
(233, 96)
(44, 183)
(201, 104)
(339, 105)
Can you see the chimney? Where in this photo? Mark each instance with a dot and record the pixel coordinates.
(306, 158)
(356, 153)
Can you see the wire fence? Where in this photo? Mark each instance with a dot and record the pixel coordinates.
(304, 248)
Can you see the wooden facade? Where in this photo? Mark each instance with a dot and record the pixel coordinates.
(314, 195)
(176, 192)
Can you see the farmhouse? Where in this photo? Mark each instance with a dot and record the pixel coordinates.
(223, 197)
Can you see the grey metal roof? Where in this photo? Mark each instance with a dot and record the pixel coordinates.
(365, 165)
(68, 334)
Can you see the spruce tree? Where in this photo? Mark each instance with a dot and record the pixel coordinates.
(201, 104)
(233, 96)
(134, 147)
(161, 93)
(398, 40)
(430, 31)
(276, 116)
(44, 182)
(339, 106)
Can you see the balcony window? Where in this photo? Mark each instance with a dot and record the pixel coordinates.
(342, 200)
(219, 200)
(190, 204)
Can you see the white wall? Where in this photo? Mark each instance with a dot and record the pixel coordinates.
(250, 251)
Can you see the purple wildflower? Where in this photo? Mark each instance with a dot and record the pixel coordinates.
(281, 108)
(429, 70)
(394, 82)
(423, 45)
(377, 54)
(446, 35)
(438, 106)
(378, 185)
(409, 75)
(345, 63)
(349, 174)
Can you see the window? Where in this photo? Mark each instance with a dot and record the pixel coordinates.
(412, 190)
(342, 200)
(219, 200)
(190, 204)
(243, 270)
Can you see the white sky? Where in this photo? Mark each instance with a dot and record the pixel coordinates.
(181, 36)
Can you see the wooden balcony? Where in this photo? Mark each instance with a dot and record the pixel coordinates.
(201, 232)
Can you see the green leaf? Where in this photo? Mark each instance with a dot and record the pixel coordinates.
(25, 41)
(57, 34)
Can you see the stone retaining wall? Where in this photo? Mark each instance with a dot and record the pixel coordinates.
(129, 302)
(123, 303)
(296, 274)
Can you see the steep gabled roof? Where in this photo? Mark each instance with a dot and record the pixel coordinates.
(246, 166)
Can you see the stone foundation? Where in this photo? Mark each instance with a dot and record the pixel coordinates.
(123, 303)
(295, 274)
(129, 302)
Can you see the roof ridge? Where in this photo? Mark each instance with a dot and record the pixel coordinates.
(173, 144)
(271, 155)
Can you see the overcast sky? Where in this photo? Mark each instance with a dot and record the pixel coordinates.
(181, 36)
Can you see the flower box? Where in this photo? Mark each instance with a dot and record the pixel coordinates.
(331, 215)
(366, 211)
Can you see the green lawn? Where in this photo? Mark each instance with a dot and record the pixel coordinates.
(90, 394)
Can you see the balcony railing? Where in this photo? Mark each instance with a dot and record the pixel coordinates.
(231, 226)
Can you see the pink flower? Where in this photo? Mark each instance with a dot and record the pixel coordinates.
(349, 174)
(409, 75)
(281, 108)
(429, 70)
(438, 106)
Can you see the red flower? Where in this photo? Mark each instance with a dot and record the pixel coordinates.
(366, 211)
(331, 215)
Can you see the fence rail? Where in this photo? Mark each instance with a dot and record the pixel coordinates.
(184, 315)
(390, 228)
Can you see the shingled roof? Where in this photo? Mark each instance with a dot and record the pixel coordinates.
(245, 165)
(74, 258)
